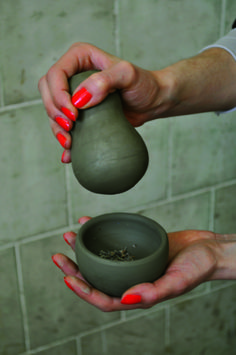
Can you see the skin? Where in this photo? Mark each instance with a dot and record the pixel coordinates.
(194, 257)
(202, 83)
(205, 82)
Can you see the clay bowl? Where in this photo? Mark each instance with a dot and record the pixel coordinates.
(144, 239)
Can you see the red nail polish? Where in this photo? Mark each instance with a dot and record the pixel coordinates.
(63, 123)
(131, 299)
(55, 262)
(61, 139)
(69, 114)
(66, 239)
(68, 284)
(81, 98)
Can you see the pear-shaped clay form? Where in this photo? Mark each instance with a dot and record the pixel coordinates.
(108, 155)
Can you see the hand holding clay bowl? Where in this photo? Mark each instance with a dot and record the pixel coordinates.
(119, 250)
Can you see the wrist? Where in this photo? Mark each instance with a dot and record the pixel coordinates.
(225, 249)
(203, 83)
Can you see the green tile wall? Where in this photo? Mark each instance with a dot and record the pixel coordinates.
(11, 320)
(205, 325)
(190, 182)
(31, 202)
(36, 33)
(55, 310)
(155, 33)
(134, 337)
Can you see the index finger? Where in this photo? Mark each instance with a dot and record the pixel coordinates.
(80, 57)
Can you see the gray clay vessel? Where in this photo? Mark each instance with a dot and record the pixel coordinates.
(108, 155)
(145, 239)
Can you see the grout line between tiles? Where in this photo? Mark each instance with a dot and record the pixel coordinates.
(167, 325)
(222, 19)
(49, 346)
(47, 234)
(134, 210)
(22, 297)
(170, 159)
(212, 210)
(78, 346)
(1, 91)
(68, 195)
(104, 342)
(123, 316)
(117, 27)
(186, 195)
(20, 105)
(163, 306)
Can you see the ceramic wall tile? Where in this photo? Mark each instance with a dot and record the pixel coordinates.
(153, 185)
(217, 284)
(156, 33)
(135, 337)
(54, 311)
(32, 180)
(187, 213)
(225, 210)
(203, 151)
(39, 32)
(11, 322)
(204, 325)
(230, 14)
(69, 348)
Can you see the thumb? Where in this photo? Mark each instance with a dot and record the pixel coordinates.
(97, 86)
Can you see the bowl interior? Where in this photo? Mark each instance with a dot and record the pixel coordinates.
(136, 235)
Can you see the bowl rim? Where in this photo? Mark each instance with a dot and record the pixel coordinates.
(146, 259)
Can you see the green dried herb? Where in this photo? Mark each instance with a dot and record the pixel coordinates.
(117, 255)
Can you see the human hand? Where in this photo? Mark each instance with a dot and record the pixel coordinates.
(194, 257)
(139, 88)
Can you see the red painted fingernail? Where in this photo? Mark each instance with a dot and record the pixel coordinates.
(68, 284)
(81, 98)
(131, 299)
(66, 240)
(69, 114)
(61, 139)
(62, 156)
(56, 263)
(63, 123)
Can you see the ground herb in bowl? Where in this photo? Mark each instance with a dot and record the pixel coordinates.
(116, 255)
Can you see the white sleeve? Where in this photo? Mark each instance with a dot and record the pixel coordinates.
(227, 43)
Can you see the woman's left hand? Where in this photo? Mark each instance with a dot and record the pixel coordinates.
(193, 259)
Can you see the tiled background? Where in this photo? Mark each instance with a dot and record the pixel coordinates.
(191, 181)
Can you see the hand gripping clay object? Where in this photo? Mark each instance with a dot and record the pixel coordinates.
(108, 155)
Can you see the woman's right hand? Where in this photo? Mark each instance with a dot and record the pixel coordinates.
(140, 89)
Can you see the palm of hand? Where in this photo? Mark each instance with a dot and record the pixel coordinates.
(192, 260)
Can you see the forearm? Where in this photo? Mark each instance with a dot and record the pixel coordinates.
(226, 257)
(206, 82)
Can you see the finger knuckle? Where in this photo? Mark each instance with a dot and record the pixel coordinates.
(106, 308)
(101, 81)
(51, 72)
(128, 69)
(40, 82)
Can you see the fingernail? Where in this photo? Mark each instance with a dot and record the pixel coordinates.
(65, 239)
(63, 123)
(131, 299)
(69, 114)
(83, 288)
(61, 139)
(81, 98)
(68, 284)
(63, 156)
(56, 263)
